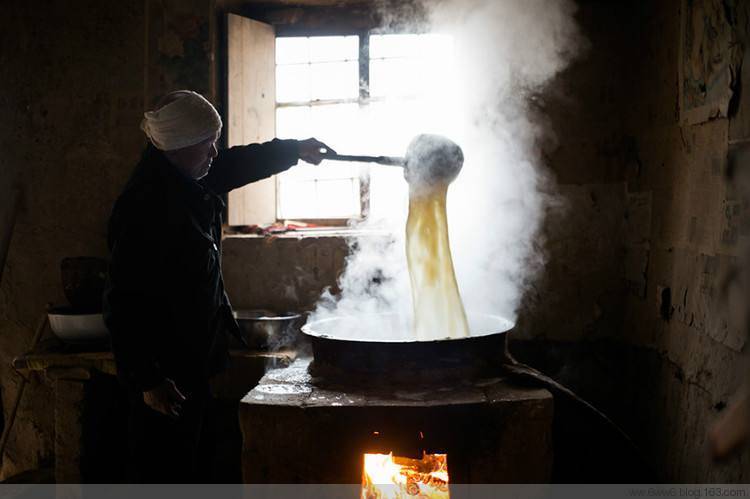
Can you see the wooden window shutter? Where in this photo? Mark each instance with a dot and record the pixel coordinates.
(251, 111)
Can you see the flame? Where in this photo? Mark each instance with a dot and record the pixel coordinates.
(388, 477)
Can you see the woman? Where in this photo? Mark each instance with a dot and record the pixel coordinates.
(165, 304)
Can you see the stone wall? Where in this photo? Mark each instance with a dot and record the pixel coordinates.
(586, 153)
(653, 345)
(684, 238)
(281, 274)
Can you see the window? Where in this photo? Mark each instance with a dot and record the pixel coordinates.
(317, 94)
(344, 90)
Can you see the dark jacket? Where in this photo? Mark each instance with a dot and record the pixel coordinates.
(164, 303)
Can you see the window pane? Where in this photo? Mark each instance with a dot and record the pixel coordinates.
(392, 136)
(394, 46)
(435, 46)
(415, 64)
(292, 50)
(334, 48)
(421, 46)
(303, 172)
(326, 171)
(298, 200)
(293, 83)
(336, 192)
(338, 198)
(341, 127)
(333, 124)
(293, 122)
(336, 124)
(388, 193)
(334, 80)
(397, 77)
(300, 49)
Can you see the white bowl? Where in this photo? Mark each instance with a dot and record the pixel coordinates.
(75, 327)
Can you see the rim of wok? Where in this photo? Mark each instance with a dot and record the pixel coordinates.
(309, 329)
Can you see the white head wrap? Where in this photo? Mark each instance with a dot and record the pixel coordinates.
(185, 121)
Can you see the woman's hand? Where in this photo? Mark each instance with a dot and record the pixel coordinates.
(165, 398)
(313, 151)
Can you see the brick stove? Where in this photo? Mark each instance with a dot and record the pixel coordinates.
(296, 432)
(314, 421)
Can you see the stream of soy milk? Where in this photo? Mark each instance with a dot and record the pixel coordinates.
(438, 310)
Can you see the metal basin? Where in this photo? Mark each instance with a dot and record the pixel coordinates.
(74, 327)
(266, 330)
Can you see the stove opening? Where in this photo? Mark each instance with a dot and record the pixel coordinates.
(387, 476)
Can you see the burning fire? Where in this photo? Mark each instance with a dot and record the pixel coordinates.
(385, 476)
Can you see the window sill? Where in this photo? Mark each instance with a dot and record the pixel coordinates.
(339, 232)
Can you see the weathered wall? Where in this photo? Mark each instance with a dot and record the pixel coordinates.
(579, 295)
(636, 262)
(76, 75)
(686, 240)
(281, 274)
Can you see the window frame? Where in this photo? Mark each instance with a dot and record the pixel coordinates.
(363, 99)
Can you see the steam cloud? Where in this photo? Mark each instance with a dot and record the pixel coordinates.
(505, 52)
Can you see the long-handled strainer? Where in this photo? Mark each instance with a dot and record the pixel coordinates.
(428, 158)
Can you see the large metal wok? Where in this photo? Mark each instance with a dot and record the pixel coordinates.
(343, 354)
